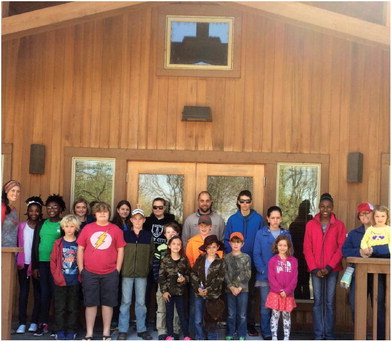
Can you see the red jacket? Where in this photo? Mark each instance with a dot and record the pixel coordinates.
(56, 264)
(325, 249)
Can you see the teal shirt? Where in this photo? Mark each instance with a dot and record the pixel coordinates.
(49, 233)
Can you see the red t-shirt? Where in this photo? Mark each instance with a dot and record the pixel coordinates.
(101, 244)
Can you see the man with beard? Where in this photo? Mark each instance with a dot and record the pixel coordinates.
(190, 227)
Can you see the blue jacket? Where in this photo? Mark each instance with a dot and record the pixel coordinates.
(247, 225)
(351, 246)
(263, 250)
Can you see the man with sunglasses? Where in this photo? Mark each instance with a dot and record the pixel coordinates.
(154, 224)
(247, 222)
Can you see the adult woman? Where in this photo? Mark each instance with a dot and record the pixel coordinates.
(122, 215)
(81, 210)
(323, 240)
(9, 216)
(262, 254)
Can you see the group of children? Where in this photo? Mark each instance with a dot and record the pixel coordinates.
(101, 257)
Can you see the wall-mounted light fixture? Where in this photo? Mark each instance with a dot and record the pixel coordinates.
(196, 113)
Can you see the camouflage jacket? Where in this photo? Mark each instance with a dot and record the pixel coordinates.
(214, 282)
(168, 275)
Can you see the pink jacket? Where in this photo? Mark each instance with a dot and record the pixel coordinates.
(282, 275)
(321, 250)
(20, 256)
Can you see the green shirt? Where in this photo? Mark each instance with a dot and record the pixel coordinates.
(49, 233)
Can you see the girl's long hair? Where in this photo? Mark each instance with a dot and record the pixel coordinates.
(181, 251)
(117, 220)
(279, 238)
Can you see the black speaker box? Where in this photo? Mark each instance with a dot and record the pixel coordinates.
(355, 166)
(37, 159)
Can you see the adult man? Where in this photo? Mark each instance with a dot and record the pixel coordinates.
(190, 227)
(246, 221)
(158, 218)
(154, 224)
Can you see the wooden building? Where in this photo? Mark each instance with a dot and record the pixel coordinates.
(309, 84)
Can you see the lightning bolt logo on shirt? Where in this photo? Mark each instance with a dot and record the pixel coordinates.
(101, 240)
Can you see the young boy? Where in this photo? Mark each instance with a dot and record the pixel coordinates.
(139, 252)
(169, 230)
(192, 248)
(237, 276)
(99, 258)
(207, 278)
(65, 273)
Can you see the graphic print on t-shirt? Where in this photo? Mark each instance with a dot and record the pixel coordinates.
(101, 240)
(283, 266)
(69, 265)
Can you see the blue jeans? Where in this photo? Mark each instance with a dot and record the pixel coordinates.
(140, 309)
(237, 318)
(199, 307)
(179, 302)
(323, 309)
(265, 312)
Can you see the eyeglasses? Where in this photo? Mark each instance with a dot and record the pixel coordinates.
(244, 201)
(156, 207)
(54, 207)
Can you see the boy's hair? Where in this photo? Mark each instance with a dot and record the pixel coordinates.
(71, 218)
(181, 251)
(383, 209)
(174, 226)
(57, 199)
(279, 238)
(81, 200)
(101, 206)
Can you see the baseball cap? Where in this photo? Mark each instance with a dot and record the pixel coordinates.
(205, 219)
(138, 211)
(236, 234)
(365, 206)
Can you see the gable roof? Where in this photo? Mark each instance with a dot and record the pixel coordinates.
(297, 13)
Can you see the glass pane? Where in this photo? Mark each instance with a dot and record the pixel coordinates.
(298, 187)
(93, 179)
(169, 187)
(225, 190)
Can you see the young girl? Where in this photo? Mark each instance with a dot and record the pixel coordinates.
(81, 209)
(207, 278)
(122, 215)
(9, 216)
(264, 240)
(322, 248)
(379, 234)
(282, 275)
(173, 274)
(45, 233)
(25, 240)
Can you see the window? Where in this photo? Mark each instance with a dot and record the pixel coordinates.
(298, 187)
(93, 179)
(199, 43)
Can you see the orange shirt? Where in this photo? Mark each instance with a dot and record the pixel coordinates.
(192, 249)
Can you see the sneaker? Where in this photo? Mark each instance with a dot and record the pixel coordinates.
(42, 329)
(251, 331)
(33, 327)
(162, 337)
(229, 338)
(70, 335)
(242, 338)
(187, 338)
(21, 329)
(169, 338)
(266, 337)
(122, 336)
(144, 335)
(53, 334)
(60, 335)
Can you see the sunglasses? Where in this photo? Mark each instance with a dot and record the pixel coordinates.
(156, 207)
(244, 201)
